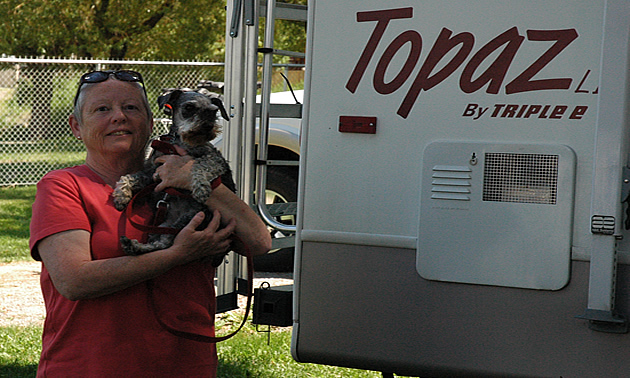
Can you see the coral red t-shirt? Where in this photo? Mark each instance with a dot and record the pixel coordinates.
(117, 334)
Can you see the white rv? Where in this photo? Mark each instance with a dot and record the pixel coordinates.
(462, 177)
(464, 182)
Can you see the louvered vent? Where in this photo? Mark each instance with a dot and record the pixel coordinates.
(525, 178)
(451, 182)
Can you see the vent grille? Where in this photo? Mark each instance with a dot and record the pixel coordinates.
(525, 178)
(450, 182)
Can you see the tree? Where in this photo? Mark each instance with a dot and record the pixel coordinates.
(112, 29)
(124, 29)
(105, 29)
(118, 29)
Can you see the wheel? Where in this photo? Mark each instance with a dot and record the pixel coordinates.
(281, 188)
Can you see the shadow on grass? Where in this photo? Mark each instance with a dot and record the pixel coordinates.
(18, 371)
(234, 369)
(225, 370)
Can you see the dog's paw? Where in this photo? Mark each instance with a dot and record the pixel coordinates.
(122, 193)
(120, 202)
(130, 247)
(204, 171)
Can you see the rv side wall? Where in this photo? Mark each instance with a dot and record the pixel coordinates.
(460, 162)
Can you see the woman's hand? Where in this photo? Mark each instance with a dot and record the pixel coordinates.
(195, 244)
(174, 171)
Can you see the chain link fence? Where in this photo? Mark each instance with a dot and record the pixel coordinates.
(36, 98)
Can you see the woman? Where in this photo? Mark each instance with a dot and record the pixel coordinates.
(101, 305)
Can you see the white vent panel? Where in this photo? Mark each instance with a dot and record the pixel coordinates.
(496, 214)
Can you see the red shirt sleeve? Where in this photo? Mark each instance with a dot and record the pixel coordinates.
(57, 197)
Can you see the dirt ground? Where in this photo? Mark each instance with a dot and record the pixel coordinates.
(21, 301)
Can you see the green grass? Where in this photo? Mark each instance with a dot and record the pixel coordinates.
(246, 355)
(15, 217)
(19, 351)
(30, 167)
(62, 158)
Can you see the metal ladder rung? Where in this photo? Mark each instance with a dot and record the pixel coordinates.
(282, 110)
(285, 11)
(293, 54)
(268, 50)
(283, 163)
(282, 209)
(278, 163)
(279, 243)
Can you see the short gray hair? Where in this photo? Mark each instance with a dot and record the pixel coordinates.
(78, 106)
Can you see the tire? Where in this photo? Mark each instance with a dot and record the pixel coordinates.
(282, 185)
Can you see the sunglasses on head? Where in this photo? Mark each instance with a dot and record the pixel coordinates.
(100, 76)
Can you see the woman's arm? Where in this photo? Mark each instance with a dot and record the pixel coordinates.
(250, 229)
(67, 258)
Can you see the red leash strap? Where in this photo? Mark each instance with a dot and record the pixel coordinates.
(143, 227)
(164, 147)
(204, 338)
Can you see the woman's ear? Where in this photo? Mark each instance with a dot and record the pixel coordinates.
(74, 126)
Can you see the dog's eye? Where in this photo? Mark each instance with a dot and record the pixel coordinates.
(189, 110)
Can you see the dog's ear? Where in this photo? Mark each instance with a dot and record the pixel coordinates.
(167, 99)
(216, 100)
(219, 103)
(163, 98)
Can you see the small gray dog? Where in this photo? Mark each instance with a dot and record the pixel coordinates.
(194, 125)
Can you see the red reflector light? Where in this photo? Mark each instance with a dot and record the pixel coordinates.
(357, 124)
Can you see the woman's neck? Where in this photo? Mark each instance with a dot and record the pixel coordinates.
(111, 171)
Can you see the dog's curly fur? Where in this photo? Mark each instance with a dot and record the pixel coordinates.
(194, 126)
